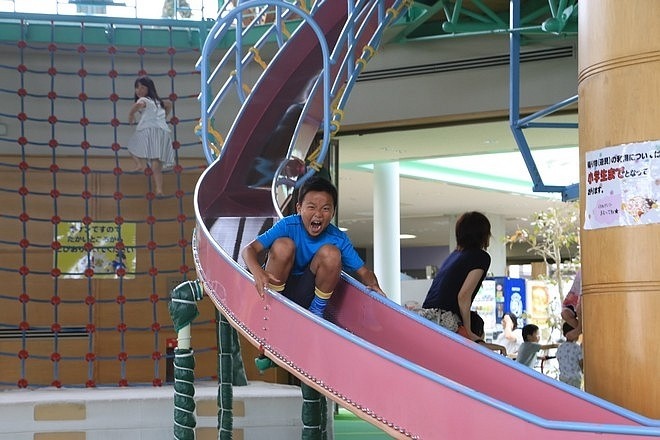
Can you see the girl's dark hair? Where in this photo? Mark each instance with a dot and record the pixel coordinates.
(151, 89)
(514, 320)
(316, 183)
(472, 231)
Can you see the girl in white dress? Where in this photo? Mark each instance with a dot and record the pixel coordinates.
(151, 144)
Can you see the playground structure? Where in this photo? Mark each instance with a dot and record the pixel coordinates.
(388, 350)
(29, 357)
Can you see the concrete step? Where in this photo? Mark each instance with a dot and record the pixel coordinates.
(261, 410)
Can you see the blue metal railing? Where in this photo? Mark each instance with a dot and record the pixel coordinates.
(517, 124)
(348, 66)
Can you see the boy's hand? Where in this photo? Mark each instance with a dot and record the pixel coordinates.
(262, 280)
(376, 288)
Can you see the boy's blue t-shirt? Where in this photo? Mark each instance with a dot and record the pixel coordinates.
(307, 246)
(527, 353)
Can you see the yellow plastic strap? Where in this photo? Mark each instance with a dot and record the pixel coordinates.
(303, 5)
(338, 95)
(315, 165)
(276, 287)
(247, 89)
(285, 31)
(395, 12)
(371, 51)
(322, 295)
(257, 57)
(314, 154)
(311, 158)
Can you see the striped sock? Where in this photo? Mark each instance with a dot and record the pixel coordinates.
(319, 302)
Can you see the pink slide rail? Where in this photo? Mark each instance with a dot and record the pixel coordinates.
(406, 375)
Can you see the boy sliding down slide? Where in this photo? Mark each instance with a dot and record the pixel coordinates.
(306, 255)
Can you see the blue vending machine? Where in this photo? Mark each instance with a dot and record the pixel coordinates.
(510, 296)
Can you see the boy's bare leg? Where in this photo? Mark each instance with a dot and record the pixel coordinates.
(280, 258)
(326, 266)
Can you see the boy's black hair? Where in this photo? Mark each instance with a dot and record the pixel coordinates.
(472, 231)
(566, 327)
(529, 330)
(316, 183)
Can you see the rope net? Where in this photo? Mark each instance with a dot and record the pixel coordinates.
(88, 252)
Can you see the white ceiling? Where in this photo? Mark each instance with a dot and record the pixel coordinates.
(428, 208)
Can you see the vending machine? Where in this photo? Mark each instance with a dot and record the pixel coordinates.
(498, 296)
(484, 305)
(510, 297)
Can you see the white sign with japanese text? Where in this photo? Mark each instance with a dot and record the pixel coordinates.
(622, 185)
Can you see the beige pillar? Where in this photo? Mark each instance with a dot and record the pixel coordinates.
(619, 96)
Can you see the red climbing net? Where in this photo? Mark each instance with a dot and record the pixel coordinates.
(89, 253)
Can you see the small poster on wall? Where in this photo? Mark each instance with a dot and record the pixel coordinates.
(82, 249)
(622, 185)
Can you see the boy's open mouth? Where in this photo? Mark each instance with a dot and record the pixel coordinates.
(315, 226)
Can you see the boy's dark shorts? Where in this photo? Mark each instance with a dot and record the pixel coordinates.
(300, 288)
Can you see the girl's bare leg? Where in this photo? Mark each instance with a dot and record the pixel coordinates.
(157, 168)
(140, 163)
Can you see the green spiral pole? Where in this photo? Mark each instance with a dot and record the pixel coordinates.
(231, 372)
(314, 414)
(183, 310)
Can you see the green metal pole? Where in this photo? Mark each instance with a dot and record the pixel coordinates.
(231, 372)
(314, 414)
(183, 310)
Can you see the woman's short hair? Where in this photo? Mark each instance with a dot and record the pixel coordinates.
(472, 231)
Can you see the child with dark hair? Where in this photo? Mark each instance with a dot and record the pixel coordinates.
(151, 143)
(306, 253)
(530, 346)
(510, 338)
(477, 327)
(569, 357)
(454, 287)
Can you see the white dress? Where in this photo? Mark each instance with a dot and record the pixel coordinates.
(152, 139)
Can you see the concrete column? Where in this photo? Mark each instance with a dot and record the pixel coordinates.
(619, 91)
(452, 232)
(497, 248)
(387, 229)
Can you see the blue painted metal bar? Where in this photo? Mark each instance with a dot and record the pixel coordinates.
(550, 125)
(517, 124)
(219, 29)
(549, 110)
